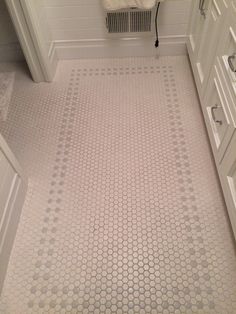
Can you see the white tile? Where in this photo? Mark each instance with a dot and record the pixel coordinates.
(124, 213)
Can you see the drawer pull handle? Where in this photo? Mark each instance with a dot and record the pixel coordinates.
(230, 61)
(213, 108)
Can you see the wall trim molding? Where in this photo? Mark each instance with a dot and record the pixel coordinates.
(11, 52)
(39, 40)
(11, 209)
(101, 48)
(52, 56)
(124, 47)
(10, 223)
(24, 35)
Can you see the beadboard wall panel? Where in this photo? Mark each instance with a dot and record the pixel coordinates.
(80, 24)
(10, 49)
(77, 29)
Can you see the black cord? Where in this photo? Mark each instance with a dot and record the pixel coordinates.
(157, 36)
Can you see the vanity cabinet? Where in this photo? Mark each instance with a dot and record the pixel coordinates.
(206, 21)
(217, 105)
(227, 172)
(196, 28)
(212, 51)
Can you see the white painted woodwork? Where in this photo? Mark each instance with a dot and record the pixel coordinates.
(12, 193)
(84, 19)
(24, 36)
(70, 29)
(216, 106)
(196, 28)
(78, 30)
(211, 41)
(214, 22)
(203, 39)
(10, 49)
(34, 38)
(227, 171)
(226, 48)
(40, 33)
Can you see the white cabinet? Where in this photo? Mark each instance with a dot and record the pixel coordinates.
(216, 106)
(227, 171)
(12, 193)
(206, 54)
(226, 55)
(203, 38)
(196, 27)
(212, 52)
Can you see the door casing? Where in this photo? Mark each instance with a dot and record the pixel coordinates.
(30, 37)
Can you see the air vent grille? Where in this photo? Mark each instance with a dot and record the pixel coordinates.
(129, 21)
(140, 21)
(118, 22)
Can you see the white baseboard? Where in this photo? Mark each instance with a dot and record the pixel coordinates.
(101, 48)
(52, 56)
(126, 47)
(11, 52)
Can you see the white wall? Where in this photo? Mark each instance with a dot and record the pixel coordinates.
(78, 25)
(76, 29)
(9, 46)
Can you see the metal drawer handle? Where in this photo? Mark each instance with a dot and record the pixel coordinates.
(230, 61)
(213, 108)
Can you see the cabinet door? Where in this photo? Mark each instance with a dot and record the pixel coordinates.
(216, 106)
(227, 172)
(203, 39)
(226, 56)
(197, 23)
(210, 37)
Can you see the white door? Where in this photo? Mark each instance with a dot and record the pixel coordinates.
(34, 37)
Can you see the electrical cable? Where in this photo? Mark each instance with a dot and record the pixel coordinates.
(157, 35)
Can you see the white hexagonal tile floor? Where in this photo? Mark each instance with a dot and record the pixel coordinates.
(124, 212)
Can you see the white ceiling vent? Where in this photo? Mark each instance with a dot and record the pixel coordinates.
(132, 21)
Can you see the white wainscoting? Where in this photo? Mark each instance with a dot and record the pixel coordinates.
(10, 49)
(78, 31)
(11, 52)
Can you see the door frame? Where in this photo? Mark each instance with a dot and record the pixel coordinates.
(28, 33)
(11, 207)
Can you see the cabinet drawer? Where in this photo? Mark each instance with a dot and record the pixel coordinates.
(227, 171)
(217, 115)
(226, 57)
